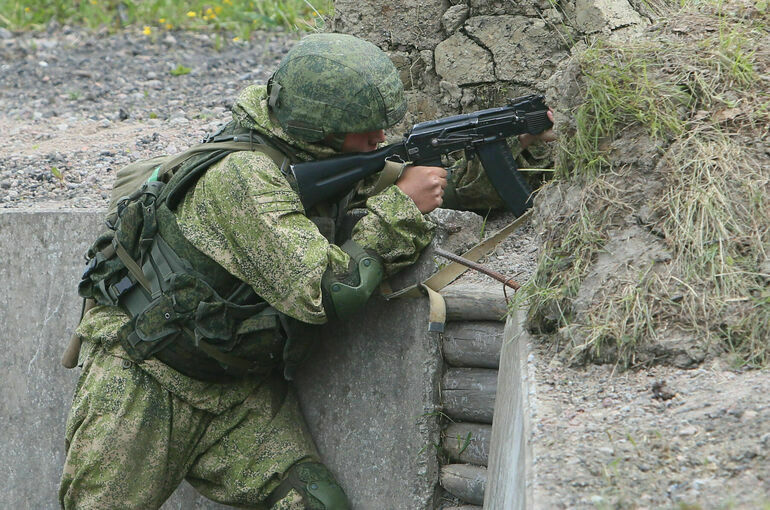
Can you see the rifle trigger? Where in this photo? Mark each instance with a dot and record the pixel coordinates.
(395, 158)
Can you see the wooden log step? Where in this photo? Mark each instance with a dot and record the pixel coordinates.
(473, 344)
(468, 442)
(468, 394)
(465, 482)
(474, 302)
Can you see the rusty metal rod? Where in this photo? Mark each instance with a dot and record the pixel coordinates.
(510, 282)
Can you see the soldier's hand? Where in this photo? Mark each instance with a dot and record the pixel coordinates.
(425, 185)
(546, 136)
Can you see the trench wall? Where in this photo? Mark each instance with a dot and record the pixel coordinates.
(459, 56)
(464, 55)
(371, 398)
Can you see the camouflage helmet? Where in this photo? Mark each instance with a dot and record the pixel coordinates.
(335, 83)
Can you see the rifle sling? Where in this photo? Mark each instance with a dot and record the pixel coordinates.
(449, 273)
(389, 174)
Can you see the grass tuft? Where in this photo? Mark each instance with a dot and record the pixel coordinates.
(668, 151)
(238, 17)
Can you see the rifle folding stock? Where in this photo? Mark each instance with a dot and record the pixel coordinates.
(481, 133)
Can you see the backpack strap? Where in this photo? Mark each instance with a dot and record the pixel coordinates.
(231, 146)
(218, 151)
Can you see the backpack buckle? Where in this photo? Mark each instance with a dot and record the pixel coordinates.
(121, 287)
(90, 266)
(210, 136)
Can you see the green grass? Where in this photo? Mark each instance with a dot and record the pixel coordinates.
(237, 17)
(701, 102)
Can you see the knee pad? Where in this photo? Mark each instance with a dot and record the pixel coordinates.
(315, 484)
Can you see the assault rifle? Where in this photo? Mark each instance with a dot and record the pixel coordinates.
(481, 133)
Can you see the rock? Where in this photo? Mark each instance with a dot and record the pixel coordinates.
(154, 84)
(428, 59)
(403, 63)
(593, 16)
(454, 18)
(5, 34)
(460, 60)
(523, 50)
(531, 8)
(458, 230)
(452, 93)
(415, 23)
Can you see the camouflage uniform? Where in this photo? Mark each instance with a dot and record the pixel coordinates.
(136, 430)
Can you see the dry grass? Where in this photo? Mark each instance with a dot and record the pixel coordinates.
(695, 90)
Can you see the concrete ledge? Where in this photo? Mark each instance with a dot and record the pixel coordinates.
(510, 456)
(369, 398)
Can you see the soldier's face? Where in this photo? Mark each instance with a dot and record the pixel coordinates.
(363, 142)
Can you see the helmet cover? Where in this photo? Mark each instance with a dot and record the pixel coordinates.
(335, 83)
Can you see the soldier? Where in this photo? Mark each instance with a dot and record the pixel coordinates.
(154, 406)
(185, 359)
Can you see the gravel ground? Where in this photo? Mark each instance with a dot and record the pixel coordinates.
(660, 438)
(77, 106)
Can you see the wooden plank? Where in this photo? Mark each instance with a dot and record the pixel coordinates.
(475, 302)
(473, 344)
(468, 442)
(465, 482)
(468, 394)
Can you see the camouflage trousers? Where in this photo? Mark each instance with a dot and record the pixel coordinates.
(130, 442)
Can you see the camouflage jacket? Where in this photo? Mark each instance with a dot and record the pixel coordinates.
(244, 214)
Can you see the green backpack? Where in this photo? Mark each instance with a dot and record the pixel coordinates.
(192, 319)
(130, 178)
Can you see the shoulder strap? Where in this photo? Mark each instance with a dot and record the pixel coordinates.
(215, 151)
(278, 158)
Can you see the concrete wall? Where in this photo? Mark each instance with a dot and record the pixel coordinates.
(366, 396)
